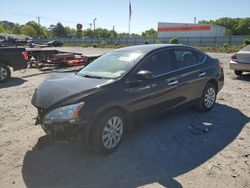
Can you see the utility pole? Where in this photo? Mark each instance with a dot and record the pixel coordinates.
(195, 20)
(113, 28)
(94, 25)
(38, 21)
(90, 26)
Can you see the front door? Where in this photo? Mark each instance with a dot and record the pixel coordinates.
(158, 93)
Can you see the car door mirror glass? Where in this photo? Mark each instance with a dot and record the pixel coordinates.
(144, 75)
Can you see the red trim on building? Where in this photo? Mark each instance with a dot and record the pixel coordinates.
(185, 28)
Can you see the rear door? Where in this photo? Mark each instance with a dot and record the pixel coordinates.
(192, 73)
(156, 94)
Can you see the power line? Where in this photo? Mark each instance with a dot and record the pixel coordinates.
(43, 17)
(39, 18)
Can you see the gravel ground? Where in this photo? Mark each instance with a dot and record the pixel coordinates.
(173, 151)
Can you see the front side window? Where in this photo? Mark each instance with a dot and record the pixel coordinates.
(111, 65)
(158, 63)
(185, 57)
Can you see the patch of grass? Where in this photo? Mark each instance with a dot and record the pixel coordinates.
(226, 48)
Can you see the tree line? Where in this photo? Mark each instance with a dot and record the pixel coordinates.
(234, 26)
(33, 29)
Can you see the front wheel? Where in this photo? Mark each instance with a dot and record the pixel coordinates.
(208, 98)
(108, 131)
(4, 73)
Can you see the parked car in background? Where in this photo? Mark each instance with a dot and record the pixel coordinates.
(15, 58)
(240, 61)
(54, 43)
(102, 100)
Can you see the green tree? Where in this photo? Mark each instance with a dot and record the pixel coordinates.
(44, 32)
(7, 26)
(70, 32)
(1, 29)
(17, 29)
(88, 33)
(113, 34)
(123, 35)
(151, 33)
(234, 26)
(102, 33)
(59, 30)
(28, 30)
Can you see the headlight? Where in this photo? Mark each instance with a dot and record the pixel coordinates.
(65, 113)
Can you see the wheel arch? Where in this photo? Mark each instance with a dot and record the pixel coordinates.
(214, 81)
(129, 122)
(90, 132)
(6, 63)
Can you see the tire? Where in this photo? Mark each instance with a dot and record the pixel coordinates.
(207, 100)
(108, 131)
(238, 73)
(4, 73)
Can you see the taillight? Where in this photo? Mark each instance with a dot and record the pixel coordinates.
(25, 55)
(234, 57)
(221, 64)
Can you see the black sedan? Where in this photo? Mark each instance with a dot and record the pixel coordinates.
(101, 101)
(54, 43)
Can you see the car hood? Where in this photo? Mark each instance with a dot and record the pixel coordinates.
(62, 86)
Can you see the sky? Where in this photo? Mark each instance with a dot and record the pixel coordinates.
(145, 13)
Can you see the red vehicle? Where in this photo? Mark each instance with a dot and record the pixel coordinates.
(69, 59)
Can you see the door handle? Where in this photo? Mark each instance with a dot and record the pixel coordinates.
(202, 74)
(173, 83)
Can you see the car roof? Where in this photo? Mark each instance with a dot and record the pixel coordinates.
(147, 48)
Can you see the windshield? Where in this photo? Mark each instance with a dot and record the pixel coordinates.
(111, 65)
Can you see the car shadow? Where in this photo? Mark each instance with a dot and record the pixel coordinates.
(155, 152)
(12, 82)
(243, 77)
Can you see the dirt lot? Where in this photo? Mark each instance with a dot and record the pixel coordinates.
(174, 151)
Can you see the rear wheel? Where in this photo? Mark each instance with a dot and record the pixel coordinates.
(4, 73)
(208, 98)
(107, 133)
(238, 73)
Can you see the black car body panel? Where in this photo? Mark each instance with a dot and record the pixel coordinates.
(132, 96)
(60, 87)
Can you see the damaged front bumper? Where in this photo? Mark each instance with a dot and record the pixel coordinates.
(68, 130)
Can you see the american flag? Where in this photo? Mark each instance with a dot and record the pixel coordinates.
(130, 10)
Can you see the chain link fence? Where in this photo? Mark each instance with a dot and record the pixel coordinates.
(194, 41)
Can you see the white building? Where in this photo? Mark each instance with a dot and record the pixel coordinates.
(189, 30)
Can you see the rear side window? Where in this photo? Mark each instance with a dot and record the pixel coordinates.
(158, 63)
(185, 57)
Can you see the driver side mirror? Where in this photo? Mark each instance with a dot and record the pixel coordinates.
(144, 75)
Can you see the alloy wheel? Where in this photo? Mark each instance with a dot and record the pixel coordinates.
(112, 132)
(3, 73)
(210, 97)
